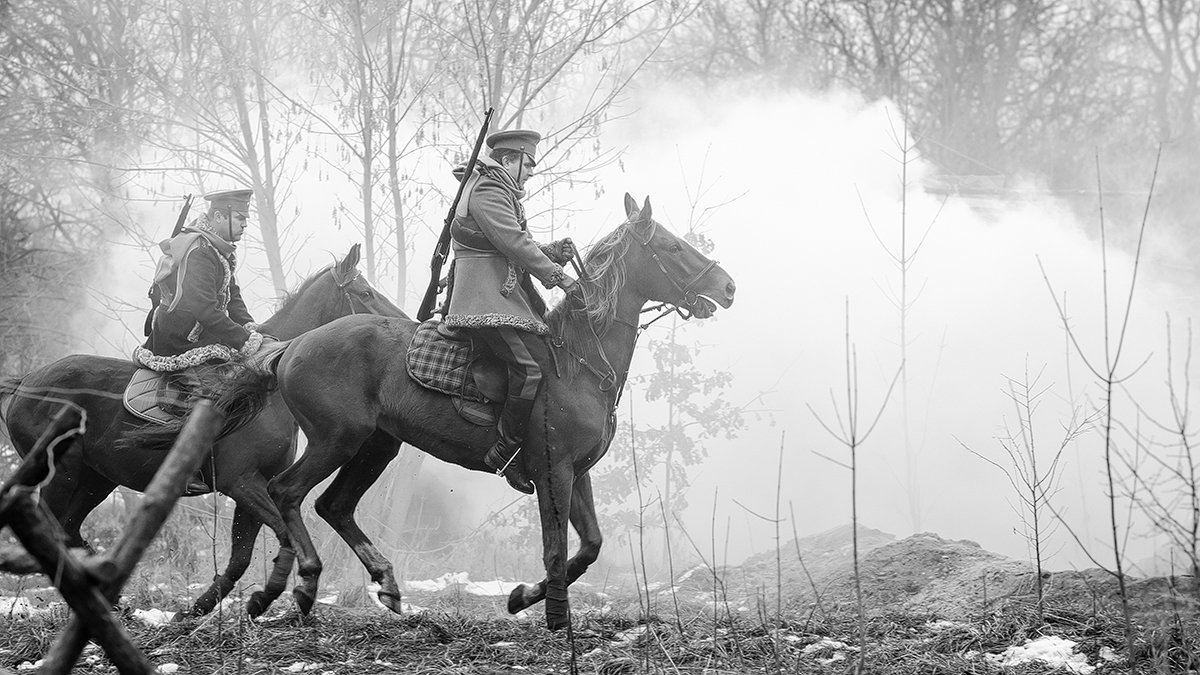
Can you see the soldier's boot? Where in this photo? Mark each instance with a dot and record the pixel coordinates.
(502, 457)
(197, 485)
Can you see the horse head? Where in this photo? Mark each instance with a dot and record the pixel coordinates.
(336, 291)
(665, 268)
(357, 294)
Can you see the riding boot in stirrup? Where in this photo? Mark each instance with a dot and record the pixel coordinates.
(514, 420)
(196, 485)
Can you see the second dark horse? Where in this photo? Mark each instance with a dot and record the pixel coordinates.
(243, 462)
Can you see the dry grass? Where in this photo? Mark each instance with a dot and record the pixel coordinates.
(470, 636)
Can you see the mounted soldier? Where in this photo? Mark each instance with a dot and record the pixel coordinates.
(199, 316)
(490, 291)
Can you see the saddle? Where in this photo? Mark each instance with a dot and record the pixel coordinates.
(164, 397)
(445, 360)
(161, 397)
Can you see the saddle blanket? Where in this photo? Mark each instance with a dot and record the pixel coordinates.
(163, 397)
(160, 397)
(442, 364)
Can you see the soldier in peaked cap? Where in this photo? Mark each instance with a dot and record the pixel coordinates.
(490, 288)
(202, 316)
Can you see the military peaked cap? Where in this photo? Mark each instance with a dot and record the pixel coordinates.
(523, 140)
(234, 200)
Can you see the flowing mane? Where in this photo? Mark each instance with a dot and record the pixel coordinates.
(605, 269)
(289, 297)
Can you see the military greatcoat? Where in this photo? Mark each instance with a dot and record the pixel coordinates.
(202, 316)
(494, 257)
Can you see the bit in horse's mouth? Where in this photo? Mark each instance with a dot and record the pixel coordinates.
(704, 307)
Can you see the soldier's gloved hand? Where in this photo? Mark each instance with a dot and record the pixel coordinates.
(252, 345)
(566, 284)
(566, 250)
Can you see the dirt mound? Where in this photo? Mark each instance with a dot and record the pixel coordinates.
(926, 575)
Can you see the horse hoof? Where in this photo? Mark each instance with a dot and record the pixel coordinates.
(304, 601)
(257, 604)
(390, 600)
(516, 599)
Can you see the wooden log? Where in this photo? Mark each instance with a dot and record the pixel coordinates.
(16, 560)
(194, 442)
(41, 536)
(68, 423)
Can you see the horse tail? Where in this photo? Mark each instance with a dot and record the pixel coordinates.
(243, 396)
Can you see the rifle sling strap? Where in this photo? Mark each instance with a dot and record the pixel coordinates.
(460, 211)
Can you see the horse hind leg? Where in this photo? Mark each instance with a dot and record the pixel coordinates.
(337, 504)
(587, 526)
(324, 455)
(252, 494)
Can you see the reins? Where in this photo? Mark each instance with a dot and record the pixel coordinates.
(609, 379)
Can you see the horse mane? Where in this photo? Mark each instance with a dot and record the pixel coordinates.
(605, 269)
(289, 298)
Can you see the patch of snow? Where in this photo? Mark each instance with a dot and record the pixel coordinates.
(1052, 650)
(300, 667)
(329, 599)
(1110, 656)
(412, 609)
(502, 644)
(941, 624)
(10, 606)
(630, 635)
(688, 574)
(167, 668)
(825, 643)
(153, 617)
(439, 584)
(494, 588)
(26, 665)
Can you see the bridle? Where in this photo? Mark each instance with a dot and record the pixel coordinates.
(343, 284)
(690, 298)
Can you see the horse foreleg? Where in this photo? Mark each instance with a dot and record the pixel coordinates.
(587, 526)
(244, 530)
(554, 504)
(336, 505)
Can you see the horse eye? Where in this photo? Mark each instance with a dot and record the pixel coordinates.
(368, 294)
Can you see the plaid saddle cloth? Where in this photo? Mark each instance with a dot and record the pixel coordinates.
(442, 364)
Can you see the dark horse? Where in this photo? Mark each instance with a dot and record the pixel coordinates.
(242, 463)
(347, 386)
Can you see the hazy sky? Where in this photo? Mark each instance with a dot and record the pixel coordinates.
(789, 186)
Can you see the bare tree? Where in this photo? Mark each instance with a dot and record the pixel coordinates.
(380, 113)
(851, 434)
(1168, 490)
(1110, 375)
(1033, 473)
(224, 116)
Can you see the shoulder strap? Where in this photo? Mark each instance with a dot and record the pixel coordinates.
(472, 181)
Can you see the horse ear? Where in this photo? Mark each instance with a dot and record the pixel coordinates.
(351, 259)
(630, 205)
(646, 212)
